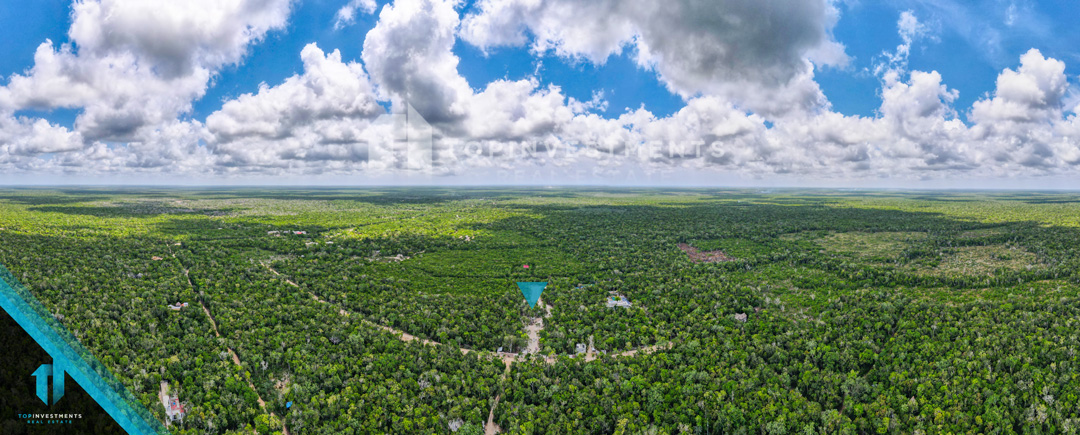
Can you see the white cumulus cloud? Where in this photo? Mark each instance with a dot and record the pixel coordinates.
(347, 14)
(750, 51)
(320, 114)
(745, 70)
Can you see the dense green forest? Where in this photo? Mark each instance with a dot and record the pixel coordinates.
(385, 310)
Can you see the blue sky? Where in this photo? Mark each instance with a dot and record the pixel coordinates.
(271, 61)
(969, 45)
(967, 62)
(960, 46)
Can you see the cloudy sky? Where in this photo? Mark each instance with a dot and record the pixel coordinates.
(894, 93)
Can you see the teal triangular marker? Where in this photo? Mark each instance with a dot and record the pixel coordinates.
(531, 291)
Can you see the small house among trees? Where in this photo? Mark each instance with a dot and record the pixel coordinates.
(175, 411)
(616, 299)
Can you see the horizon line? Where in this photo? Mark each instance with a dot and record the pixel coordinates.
(526, 186)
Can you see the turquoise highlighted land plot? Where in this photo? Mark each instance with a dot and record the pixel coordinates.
(531, 291)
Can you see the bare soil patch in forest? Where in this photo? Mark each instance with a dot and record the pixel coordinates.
(389, 259)
(704, 256)
(284, 384)
(533, 328)
(492, 428)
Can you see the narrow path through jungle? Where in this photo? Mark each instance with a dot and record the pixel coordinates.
(533, 326)
(235, 357)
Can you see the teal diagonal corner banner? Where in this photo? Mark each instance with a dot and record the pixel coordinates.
(531, 291)
(71, 357)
